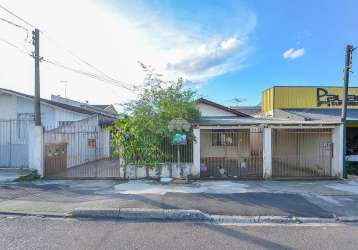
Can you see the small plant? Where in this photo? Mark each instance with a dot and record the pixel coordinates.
(352, 168)
(29, 177)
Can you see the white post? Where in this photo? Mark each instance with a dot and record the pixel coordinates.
(267, 153)
(196, 153)
(36, 149)
(338, 154)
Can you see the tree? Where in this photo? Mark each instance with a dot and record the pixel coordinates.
(138, 137)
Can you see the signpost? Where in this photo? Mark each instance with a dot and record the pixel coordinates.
(179, 125)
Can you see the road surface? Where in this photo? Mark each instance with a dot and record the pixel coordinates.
(50, 233)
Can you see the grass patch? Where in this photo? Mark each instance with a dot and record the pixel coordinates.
(29, 177)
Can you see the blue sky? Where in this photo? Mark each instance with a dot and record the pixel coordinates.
(223, 48)
(321, 28)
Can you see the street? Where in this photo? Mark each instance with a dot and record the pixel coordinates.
(47, 233)
(323, 199)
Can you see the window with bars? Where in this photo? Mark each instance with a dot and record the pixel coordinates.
(224, 137)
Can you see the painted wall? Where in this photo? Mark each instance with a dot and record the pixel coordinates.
(240, 150)
(306, 97)
(50, 115)
(7, 107)
(164, 170)
(210, 111)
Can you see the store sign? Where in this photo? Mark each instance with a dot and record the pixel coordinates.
(329, 99)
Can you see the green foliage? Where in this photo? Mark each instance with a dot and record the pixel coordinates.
(352, 168)
(138, 138)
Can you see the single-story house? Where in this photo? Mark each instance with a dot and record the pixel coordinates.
(54, 112)
(230, 143)
(16, 123)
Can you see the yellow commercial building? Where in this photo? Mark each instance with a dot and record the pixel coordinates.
(313, 103)
(320, 97)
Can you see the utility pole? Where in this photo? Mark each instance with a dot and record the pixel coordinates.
(346, 70)
(36, 55)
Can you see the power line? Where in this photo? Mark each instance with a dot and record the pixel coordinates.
(74, 55)
(14, 24)
(61, 65)
(104, 78)
(13, 14)
(15, 46)
(89, 74)
(104, 75)
(17, 26)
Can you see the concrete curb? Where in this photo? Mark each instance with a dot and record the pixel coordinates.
(142, 214)
(198, 216)
(37, 214)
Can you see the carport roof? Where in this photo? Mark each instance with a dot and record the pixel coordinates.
(237, 121)
(324, 114)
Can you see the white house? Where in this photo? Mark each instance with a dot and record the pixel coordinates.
(16, 122)
(55, 112)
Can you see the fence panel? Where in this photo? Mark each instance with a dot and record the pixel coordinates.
(233, 153)
(302, 152)
(84, 143)
(14, 136)
(89, 153)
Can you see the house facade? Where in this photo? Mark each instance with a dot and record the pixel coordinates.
(232, 144)
(314, 103)
(55, 112)
(86, 122)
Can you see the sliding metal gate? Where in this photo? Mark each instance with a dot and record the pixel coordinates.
(14, 136)
(79, 151)
(302, 152)
(231, 153)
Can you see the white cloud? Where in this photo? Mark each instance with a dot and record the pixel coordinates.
(114, 39)
(212, 59)
(293, 53)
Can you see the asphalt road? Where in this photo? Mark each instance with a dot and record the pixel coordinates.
(45, 233)
(61, 198)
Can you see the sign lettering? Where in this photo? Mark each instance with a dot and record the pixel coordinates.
(325, 98)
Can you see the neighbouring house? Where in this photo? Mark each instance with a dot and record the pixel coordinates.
(209, 108)
(233, 144)
(248, 110)
(78, 127)
(54, 112)
(314, 103)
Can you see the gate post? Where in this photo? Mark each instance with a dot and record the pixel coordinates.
(36, 149)
(267, 153)
(337, 154)
(196, 152)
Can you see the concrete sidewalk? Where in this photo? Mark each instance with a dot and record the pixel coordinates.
(321, 199)
(8, 175)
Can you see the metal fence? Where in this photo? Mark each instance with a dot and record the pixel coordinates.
(166, 152)
(231, 153)
(302, 152)
(14, 137)
(69, 146)
(85, 151)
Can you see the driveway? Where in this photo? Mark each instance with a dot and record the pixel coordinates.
(285, 198)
